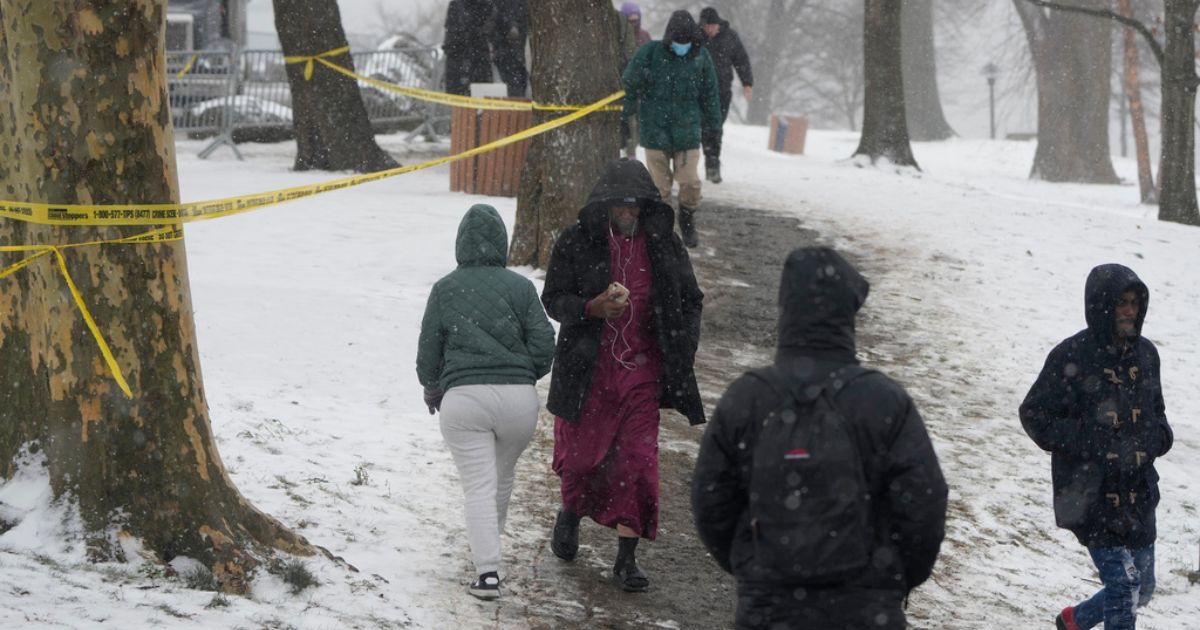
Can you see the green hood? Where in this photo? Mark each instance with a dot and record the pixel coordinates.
(482, 238)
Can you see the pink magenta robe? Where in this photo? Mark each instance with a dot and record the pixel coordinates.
(608, 461)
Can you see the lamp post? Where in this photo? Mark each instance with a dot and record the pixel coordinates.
(991, 71)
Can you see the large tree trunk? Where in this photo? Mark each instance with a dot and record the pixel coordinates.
(1137, 114)
(575, 61)
(1177, 199)
(921, 97)
(333, 132)
(87, 120)
(885, 130)
(1072, 55)
(775, 29)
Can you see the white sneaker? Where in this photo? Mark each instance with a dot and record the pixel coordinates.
(487, 586)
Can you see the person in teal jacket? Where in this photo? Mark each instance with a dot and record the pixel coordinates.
(672, 87)
(485, 341)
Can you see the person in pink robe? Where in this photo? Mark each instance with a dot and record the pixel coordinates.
(621, 284)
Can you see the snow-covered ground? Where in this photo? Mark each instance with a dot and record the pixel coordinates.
(308, 317)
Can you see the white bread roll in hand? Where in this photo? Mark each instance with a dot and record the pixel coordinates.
(618, 293)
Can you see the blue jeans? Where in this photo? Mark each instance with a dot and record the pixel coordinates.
(1128, 577)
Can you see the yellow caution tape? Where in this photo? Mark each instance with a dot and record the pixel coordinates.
(11, 269)
(453, 100)
(187, 67)
(308, 60)
(175, 214)
(160, 235)
(91, 324)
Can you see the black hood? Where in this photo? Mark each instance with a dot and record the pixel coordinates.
(681, 23)
(1103, 290)
(819, 295)
(621, 180)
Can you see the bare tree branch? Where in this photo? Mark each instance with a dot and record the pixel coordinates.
(1136, 25)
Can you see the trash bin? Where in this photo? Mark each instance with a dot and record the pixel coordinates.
(788, 134)
(497, 172)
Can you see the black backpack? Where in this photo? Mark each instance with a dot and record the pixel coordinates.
(809, 494)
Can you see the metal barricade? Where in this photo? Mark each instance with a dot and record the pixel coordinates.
(200, 87)
(246, 96)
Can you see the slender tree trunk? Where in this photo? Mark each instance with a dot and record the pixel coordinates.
(333, 132)
(921, 97)
(766, 60)
(86, 120)
(1136, 114)
(885, 130)
(575, 61)
(1072, 55)
(1177, 199)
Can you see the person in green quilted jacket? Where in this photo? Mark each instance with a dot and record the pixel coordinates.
(672, 87)
(485, 341)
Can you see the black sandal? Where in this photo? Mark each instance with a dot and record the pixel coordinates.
(631, 579)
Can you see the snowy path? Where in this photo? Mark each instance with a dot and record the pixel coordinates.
(976, 273)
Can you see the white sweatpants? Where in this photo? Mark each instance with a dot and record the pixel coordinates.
(487, 427)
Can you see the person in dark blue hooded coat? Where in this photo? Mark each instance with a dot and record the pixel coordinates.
(819, 296)
(1097, 408)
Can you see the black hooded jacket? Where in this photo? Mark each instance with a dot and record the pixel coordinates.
(1097, 407)
(580, 270)
(469, 23)
(819, 295)
(728, 55)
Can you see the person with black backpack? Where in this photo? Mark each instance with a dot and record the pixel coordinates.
(817, 486)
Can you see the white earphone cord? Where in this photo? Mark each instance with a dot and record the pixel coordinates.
(623, 267)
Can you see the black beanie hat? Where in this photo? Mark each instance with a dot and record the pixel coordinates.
(709, 16)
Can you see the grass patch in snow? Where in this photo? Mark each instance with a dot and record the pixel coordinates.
(294, 573)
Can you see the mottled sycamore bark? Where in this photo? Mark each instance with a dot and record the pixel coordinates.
(333, 132)
(575, 53)
(86, 120)
(885, 128)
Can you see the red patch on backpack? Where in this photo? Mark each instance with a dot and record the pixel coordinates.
(797, 453)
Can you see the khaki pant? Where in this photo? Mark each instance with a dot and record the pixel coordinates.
(682, 167)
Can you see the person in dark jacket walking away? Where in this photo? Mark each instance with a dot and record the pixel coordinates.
(485, 341)
(827, 520)
(1097, 408)
(672, 86)
(469, 25)
(508, 44)
(728, 54)
(624, 351)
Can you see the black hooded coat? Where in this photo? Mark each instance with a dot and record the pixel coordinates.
(1097, 407)
(729, 55)
(819, 295)
(580, 270)
(469, 24)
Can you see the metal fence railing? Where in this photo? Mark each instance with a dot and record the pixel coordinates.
(246, 96)
(199, 85)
